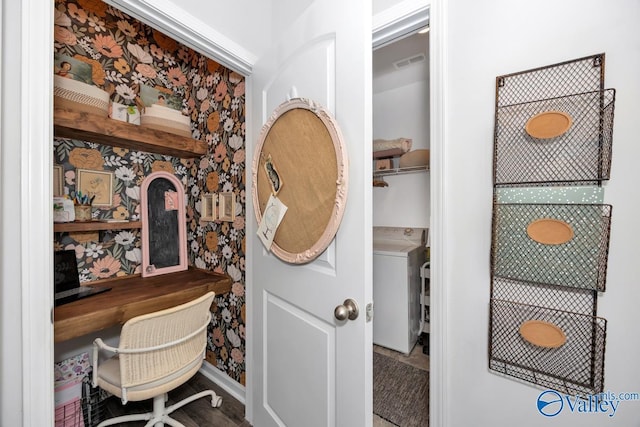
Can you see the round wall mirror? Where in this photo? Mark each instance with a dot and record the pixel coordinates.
(301, 159)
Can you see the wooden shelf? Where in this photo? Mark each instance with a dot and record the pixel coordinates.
(61, 227)
(93, 128)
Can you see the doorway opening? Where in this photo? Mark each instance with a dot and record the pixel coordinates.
(401, 202)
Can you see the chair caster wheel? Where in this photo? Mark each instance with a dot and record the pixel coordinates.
(216, 402)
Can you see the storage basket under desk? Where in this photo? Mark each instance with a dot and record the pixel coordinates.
(521, 253)
(575, 367)
(88, 411)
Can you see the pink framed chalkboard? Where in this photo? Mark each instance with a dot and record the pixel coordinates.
(164, 236)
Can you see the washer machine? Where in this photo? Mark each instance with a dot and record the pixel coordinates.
(398, 254)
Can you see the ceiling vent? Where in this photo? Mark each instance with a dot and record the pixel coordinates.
(410, 60)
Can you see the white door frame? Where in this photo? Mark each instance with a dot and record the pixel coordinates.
(438, 369)
(26, 376)
(389, 26)
(32, 219)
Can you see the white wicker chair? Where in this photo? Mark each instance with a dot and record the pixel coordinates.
(157, 353)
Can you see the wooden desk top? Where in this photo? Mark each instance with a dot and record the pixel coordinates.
(132, 296)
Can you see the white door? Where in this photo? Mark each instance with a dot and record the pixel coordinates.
(309, 369)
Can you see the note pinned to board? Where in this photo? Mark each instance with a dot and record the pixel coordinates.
(271, 219)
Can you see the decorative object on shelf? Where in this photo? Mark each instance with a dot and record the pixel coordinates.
(63, 210)
(97, 185)
(164, 235)
(162, 111)
(58, 180)
(226, 206)
(77, 96)
(383, 164)
(415, 158)
(554, 125)
(409, 162)
(391, 147)
(73, 87)
(305, 143)
(125, 113)
(83, 212)
(208, 207)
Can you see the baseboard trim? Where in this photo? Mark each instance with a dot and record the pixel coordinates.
(224, 381)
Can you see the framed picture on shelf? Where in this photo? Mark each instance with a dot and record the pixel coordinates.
(226, 206)
(95, 184)
(58, 180)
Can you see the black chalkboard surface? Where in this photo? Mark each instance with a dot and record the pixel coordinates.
(164, 243)
(164, 236)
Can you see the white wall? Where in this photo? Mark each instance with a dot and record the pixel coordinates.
(237, 20)
(486, 39)
(403, 112)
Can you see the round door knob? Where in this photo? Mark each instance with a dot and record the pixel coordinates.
(347, 310)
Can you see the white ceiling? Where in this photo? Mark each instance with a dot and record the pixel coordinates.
(386, 76)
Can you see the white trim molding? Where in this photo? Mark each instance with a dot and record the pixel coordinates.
(399, 21)
(27, 219)
(224, 381)
(439, 378)
(165, 16)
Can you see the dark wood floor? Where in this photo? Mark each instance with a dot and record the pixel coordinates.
(195, 414)
(231, 413)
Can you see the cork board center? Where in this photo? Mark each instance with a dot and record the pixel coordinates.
(303, 147)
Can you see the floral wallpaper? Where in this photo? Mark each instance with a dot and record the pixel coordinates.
(125, 54)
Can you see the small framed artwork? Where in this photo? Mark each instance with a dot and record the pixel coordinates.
(58, 190)
(97, 185)
(152, 96)
(208, 207)
(226, 206)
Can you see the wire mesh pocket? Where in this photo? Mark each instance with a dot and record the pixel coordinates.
(581, 154)
(550, 348)
(551, 81)
(575, 300)
(564, 245)
(554, 125)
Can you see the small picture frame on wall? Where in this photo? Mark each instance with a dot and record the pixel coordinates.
(226, 206)
(95, 184)
(58, 180)
(208, 207)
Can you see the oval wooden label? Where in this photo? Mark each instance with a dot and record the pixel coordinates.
(548, 124)
(542, 334)
(549, 231)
